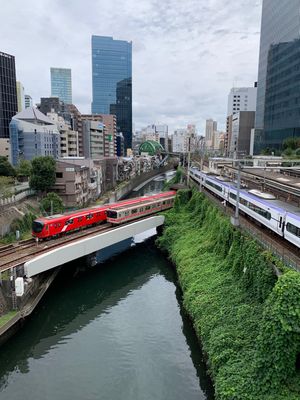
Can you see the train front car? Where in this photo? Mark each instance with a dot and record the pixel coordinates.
(37, 228)
(47, 227)
(147, 206)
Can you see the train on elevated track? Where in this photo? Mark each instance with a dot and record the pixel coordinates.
(278, 216)
(114, 213)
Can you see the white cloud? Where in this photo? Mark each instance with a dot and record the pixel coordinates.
(186, 54)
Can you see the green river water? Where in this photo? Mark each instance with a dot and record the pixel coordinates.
(115, 332)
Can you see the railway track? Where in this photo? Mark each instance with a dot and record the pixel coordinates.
(286, 251)
(12, 248)
(19, 255)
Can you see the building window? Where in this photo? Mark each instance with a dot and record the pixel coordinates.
(59, 174)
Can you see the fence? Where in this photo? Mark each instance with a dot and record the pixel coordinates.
(16, 198)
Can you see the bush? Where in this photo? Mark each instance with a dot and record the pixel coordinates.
(248, 323)
(52, 202)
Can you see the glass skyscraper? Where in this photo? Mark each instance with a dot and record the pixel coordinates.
(112, 77)
(61, 84)
(8, 92)
(277, 105)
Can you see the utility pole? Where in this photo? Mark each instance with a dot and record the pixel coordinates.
(189, 160)
(235, 220)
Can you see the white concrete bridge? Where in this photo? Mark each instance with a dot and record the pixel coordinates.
(71, 251)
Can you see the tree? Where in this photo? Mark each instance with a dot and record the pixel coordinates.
(43, 173)
(6, 186)
(6, 169)
(291, 143)
(52, 203)
(24, 168)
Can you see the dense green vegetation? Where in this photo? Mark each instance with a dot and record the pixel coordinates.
(6, 169)
(42, 175)
(52, 203)
(247, 319)
(7, 317)
(23, 225)
(176, 179)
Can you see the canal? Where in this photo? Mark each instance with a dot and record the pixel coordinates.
(114, 332)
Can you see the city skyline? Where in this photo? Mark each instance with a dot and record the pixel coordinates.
(186, 57)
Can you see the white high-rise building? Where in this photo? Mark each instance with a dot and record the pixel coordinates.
(20, 96)
(184, 140)
(241, 99)
(210, 129)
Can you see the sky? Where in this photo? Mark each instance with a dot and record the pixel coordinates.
(187, 54)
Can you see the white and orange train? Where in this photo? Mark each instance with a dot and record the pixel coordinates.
(115, 213)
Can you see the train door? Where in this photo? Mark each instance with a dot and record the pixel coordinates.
(281, 224)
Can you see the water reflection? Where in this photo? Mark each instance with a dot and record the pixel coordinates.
(78, 310)
(117, 331)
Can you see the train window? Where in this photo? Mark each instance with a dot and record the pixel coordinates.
(215, 186)
(134, 211)
(37, 226)
(294, 230)
(79, 219)
(260, 211)
(112, 214)
(147, 207)
(89, 216)
(69, 222)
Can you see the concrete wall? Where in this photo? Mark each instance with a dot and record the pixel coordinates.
(125, 190)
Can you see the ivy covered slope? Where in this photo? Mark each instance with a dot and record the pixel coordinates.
(247, 319)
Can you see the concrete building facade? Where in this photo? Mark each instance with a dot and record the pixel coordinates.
(72, 183)
(5, 148)
(33, 134)
(69, 144)
(242, 99)
(109, 131)
(93, 137)
(28, 101)
(242, 124)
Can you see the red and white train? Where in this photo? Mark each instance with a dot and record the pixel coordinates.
(115, 213)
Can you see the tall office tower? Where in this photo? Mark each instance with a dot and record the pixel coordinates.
(112, 82)
(28, 101)
(210, 129)
(242, 99)
(20, 96)
(278, 106)
(8, 93)
(61, 84)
